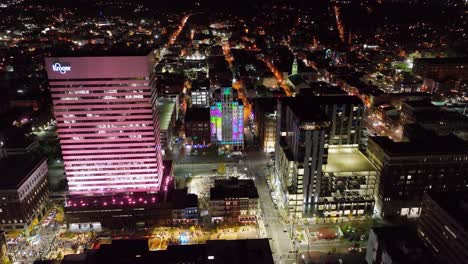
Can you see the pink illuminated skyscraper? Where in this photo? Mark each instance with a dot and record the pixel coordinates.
(107, 124)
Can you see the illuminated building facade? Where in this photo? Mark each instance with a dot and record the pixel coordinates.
(3, 248)
(307, 182)
(301, 151)
(23, 191)
(200, 97)
(107, 123)
(227, 121)
(265, 122)
(233, 200)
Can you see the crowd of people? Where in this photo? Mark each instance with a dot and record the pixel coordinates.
(46, 241)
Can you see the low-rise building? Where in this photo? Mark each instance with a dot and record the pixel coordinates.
(233, 200)
(240, 251)
(197, 126)
(167, 118)
(23, 191)
(185, 207)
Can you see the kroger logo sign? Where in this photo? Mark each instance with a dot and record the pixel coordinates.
(58, 67)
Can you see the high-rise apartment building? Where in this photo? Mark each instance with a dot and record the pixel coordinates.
(309, 130)
(345, 114)
(407, 170)
(107, 122)
(227, 121)
(301, 150)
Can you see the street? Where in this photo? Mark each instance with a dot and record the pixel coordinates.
(269, 219)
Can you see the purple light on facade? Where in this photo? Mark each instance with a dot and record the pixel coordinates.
(109, 140)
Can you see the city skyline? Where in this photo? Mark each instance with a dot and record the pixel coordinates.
(284, 131)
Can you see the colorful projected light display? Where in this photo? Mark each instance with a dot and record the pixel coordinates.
(237, 122)
(216, 115)
(226, 118)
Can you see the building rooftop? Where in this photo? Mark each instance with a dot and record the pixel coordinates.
(439, 115)
(347, 160)
(324, 89)
(307, 108)
(200, 84)
(402, 244)
(233, 188)
(454, 60)
(16, 169)
(296, 79)
(420, 103)
(103, 51)
(266, 104)
(410, 94)
(15, 138)
(325, 100)
(181, 199)
(455, 204)
(239, 251)
(304, 110)
(197, 115)
(214, 251)
(431, 145)
(166, 109)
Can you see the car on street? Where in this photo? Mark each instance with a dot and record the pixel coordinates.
(352, 249)
(355, 248)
